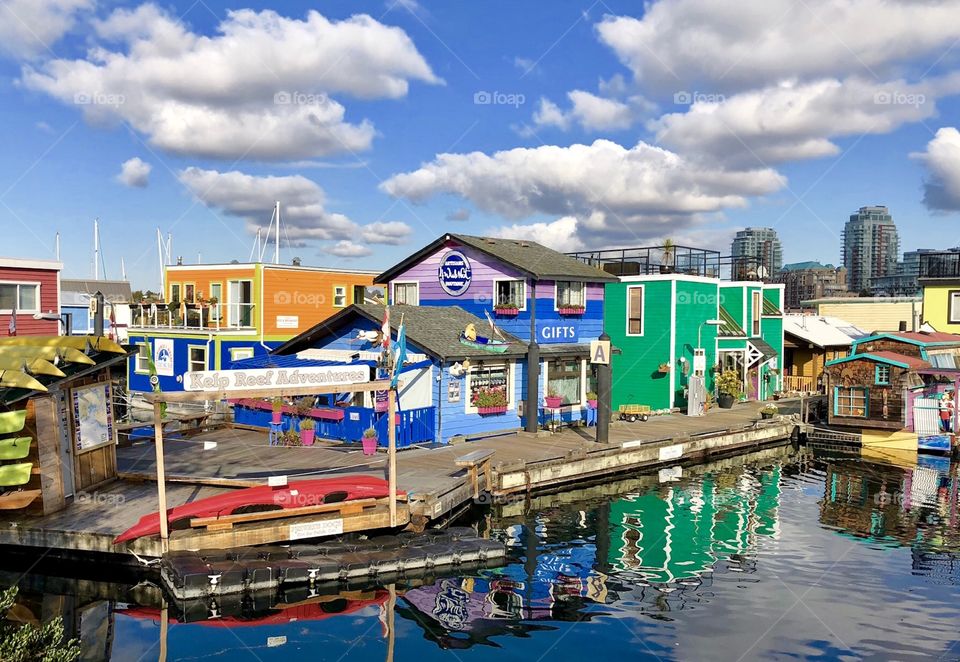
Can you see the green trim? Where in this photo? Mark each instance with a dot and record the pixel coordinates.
(730, 327)
(871, 357)
(770, 309)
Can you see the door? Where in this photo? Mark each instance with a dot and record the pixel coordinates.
(66, 445)
(216, 292)
(240, 303)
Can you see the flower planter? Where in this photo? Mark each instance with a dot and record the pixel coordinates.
(307, 436)
(490, 411)
(369, 445)
(592, 404)
(571, 311)
(553, 403)
(507, 312)
(725, 401)
(277, 417)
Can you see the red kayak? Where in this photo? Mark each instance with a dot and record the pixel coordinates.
(297, 494)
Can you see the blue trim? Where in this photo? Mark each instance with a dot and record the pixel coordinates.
(911, 341)
(870, 357)
(876, 376)
(866, 401)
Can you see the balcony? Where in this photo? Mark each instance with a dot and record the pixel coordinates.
(193, 316)
(687, 260)
(944, 265)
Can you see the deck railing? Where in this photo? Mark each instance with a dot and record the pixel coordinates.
(940, 265)
(799, 384)
(648, 260)
(193, 316)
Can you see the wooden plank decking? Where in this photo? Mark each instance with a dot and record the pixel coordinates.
(218, 459)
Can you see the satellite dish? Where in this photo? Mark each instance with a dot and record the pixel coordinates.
(761, 272)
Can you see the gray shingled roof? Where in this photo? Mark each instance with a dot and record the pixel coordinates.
(435, 329)
(529, 257)
(76, 292)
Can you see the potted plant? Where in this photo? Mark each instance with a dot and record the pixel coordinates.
(729, 388)
(506, 309)
(591, 400)
(769, 410)
(571, 310)
(277, 410)
(553, 400)
(369, 441)
(668, 251)
(664, 368)
(291, 438)
(307, 432)
(490, 400)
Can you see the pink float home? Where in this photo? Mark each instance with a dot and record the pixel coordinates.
(29, 289)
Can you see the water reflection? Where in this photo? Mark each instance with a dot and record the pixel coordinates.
(704, 566)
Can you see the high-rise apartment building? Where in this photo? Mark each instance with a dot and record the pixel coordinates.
(756, 247)
(871, 245)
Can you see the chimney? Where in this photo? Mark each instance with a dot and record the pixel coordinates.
(296, 261)
(180, 261)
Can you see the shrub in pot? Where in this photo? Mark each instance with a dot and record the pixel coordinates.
(769, 411)
(277, 410)
(591, 400)
(369, 441)
(729, 388)
(307, 431)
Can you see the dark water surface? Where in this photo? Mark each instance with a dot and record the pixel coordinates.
(780, 554)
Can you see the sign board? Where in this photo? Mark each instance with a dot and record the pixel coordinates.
(556, 332)
(327, 527)
(670, 452)
(600, 352)
(453, 390)
(163, 356)
(455, 273)
(93, 305)
(92, 416)
(245, 380)
(288, 321)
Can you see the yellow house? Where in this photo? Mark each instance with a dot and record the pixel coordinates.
(940, 280)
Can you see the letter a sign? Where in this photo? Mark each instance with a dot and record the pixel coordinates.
(600, 351)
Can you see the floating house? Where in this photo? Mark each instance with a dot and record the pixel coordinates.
(809, 342)
(30, 293)
(75, 295)
(940, 280)
(214, 314)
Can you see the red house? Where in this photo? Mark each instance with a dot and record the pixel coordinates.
(32, 289)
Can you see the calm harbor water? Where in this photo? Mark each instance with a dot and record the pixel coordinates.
(779, 554)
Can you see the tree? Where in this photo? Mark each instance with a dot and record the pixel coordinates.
(30, 643)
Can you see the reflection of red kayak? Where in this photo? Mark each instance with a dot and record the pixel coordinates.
(306, 611)
(297, 494)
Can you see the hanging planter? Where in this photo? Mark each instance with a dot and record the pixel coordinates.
(506, 311)
(571, 310)
(492, 411)
(664, 368)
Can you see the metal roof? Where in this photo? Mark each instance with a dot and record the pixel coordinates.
(821, 331)
(730, 327)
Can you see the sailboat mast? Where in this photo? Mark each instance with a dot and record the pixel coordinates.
(276, 248)
(96, 248)
(58, 246)
(160, 257)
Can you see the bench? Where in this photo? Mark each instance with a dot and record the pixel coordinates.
(475, 462)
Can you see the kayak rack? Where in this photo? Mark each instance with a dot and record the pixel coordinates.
(200, 574)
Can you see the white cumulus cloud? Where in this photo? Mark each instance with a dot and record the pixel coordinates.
(347, 248)
(29, 28)
(135, 173)
(942, 160)
(261, 88)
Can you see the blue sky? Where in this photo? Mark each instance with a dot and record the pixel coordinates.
(799, 115)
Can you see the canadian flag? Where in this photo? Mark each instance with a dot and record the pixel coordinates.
(12, 327)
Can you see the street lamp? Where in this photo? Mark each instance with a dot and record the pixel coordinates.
(700, 329)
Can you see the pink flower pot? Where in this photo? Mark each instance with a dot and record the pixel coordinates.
(369, 445)
(307, 436)
(592, 404)
(488, 411)
(278, 417)
(553, 402)
(571, 311)
(507, 312)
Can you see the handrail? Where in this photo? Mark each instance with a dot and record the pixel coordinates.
(193, 316)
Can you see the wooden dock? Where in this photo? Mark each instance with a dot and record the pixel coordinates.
(214, 461)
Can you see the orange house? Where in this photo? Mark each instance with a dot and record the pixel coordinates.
(214, 314)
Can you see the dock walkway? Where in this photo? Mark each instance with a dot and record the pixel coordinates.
(219, 460)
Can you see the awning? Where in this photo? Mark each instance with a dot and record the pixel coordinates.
(730, 328)
(759, 351)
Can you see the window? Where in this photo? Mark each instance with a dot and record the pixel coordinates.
(883, 375)
(953, 306)
(339, 296)
(143, 358)
(359, 293)
(189, 291)
(406, 293)
(635, 311)
(510, 293)
(755, 309)
(495, 379)
(197, 358)
(175, 292)
(216, 292)
(240, 353)
(850, 401)
(571, 294)
(25, 297)
(564, 378)
(240, 303)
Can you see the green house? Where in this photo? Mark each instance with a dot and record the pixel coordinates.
(658, 321)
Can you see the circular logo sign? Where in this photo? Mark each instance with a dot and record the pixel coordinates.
(455, 273)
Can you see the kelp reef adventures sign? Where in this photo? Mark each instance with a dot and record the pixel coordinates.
(245, 380)
(455, 273)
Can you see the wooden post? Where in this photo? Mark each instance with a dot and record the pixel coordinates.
(161, 478)
(392, 453)
(391, 621)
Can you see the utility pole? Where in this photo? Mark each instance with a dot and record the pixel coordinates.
(604, 396)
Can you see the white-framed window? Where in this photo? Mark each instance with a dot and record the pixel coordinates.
(489, 376)
(189, 292)
(953, 306)
(339, 296)
(143, 358)
(510, 293)
(570, 294)
(216, 292)
(565, 379)
(196, 358)
(635, 310)
(240, 353)
(407, 293)
(25, 297)
(756, 308)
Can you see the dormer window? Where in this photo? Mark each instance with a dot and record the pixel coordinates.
(571, 294)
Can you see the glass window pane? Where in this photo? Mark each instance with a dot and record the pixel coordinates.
(635, 310)
(510, 293)
(28, 297)
(565, 380)
(8, 296)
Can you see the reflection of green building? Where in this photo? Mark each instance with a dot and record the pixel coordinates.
(681, 530)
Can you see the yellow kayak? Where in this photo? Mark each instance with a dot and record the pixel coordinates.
(98, 343)
(18, 379)
(46, 353)
(33, 366)
(12, 421)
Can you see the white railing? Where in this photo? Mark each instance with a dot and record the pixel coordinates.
(193, 316)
